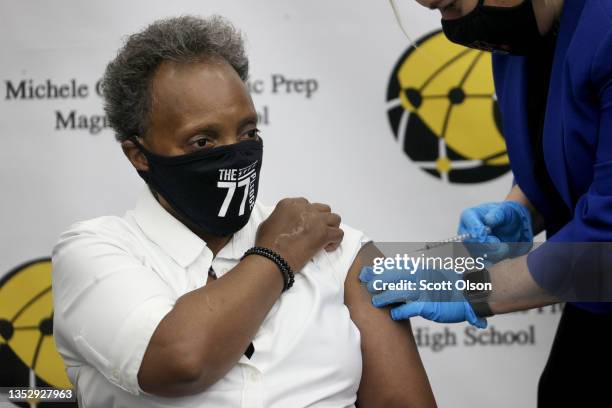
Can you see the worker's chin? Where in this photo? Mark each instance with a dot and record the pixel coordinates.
(450, 14)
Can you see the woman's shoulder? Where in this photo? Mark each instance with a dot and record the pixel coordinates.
(104, 226)
(341, 259)
(109, 230)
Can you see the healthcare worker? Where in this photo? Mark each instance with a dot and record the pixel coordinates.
(552, 68)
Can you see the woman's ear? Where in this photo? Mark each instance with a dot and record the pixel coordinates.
(134, 155)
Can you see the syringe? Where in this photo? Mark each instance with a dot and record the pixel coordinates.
(456, 238)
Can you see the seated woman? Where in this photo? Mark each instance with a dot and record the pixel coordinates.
(188, 300)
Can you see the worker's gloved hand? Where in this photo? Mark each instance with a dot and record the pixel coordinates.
(438, 305)
(493, 226)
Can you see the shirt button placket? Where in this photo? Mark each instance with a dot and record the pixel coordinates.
(252, 396)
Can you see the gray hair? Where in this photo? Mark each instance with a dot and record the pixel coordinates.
(126, 84)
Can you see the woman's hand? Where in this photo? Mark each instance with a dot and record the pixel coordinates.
(298, 229)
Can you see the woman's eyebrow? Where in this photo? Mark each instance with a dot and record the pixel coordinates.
(214, 128)
(204, 127)
(249, 120)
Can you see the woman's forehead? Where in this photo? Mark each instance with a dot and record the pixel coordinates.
(182, 91)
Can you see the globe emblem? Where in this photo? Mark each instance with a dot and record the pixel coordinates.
(443, 112)
(28, 356)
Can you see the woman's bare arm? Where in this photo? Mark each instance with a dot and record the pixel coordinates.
(393, 374)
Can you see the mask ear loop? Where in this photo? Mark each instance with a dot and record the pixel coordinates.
(398, 19)
(134, 139)
(143, 150)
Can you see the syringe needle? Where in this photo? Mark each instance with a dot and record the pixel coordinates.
(456, 238)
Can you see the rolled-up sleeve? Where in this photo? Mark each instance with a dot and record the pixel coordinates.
(107, 304)
(342, 258)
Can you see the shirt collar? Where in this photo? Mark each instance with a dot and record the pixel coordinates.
(171, 235)
(241, 241)
(178, 241)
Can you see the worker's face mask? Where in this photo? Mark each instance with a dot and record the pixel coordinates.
(214, 189)
(506, 30)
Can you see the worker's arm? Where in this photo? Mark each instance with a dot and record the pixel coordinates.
(514, 289)
(393, 374)
(574, 263)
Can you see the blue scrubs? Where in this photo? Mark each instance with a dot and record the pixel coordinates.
(577, 134)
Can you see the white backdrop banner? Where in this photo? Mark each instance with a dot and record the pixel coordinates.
(397, 140)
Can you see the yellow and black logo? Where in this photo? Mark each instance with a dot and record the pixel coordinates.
(443, 112)
(28, 357)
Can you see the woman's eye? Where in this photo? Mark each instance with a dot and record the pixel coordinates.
(253, 133)
(201, 143)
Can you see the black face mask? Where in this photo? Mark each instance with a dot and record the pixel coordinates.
(506, 30)
(214, 189)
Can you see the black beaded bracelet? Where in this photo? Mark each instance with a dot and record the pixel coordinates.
(283, 266)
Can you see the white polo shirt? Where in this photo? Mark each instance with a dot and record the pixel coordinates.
(115, 278)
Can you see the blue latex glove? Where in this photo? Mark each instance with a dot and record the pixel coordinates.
(438, 306)
(509, 222)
